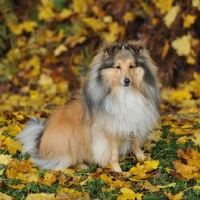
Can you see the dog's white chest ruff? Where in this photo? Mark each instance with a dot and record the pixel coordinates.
(128, 113)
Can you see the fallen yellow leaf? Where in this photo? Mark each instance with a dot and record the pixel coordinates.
(148, 186)
(128, 17)
(190, 60)
(180, 95)
(60, 49)
(5, 196)
(182, 140)
(174, 197)
(196, 3)
(46, 10)
(163, 6)
(41, 196)
(188, 20)
(129, 194)
(182, 45)
(5, 159)
(12, 145)
(171, 16)
(95, 24)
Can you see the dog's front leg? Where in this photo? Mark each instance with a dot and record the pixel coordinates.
(136, 148)
(114, 161)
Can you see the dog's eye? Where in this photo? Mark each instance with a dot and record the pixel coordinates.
(118, 67)
(131, 66)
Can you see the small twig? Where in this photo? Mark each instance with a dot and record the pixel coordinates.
(160, 152)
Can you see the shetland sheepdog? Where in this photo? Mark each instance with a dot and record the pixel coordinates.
(112, 115)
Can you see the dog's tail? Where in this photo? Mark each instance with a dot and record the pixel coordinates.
(30, 136)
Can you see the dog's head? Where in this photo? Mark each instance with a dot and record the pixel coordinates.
(127, 64)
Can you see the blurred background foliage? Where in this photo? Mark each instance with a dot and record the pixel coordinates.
(47, 45)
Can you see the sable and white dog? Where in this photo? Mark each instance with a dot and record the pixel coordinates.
(111, 116)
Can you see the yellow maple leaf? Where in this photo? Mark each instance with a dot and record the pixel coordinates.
(14, 130)
(171, 15)
(163, 6)
(5, 159)
(174, 197)
(180, 95)
(15, 28)
(129, 194)
(95, 24)
(148, 145)
(182, 140)
(195, 84)
(148, 186)
(34, 94)
(68, 171)
(192, 156)
(41, 196)
(196, 3)
(23, 166)
(187, 171)
(108, 19)
(182, 45)
(188, 20)
(197, 187)
(14, 54)
(97, 10)
(181, 131)
(72, 41)
(150, 165)
(196, 138)
(65, 14)
(141, 170)
(34, 64)
(46, 11)
(12, 173)
(74, 193)
(115, 184)
(128, 17)
(48, 179)
(60, 49)
(62, 87)
(45, 80)
(155, 135)
(114, 31)
(28, 177)
(5, 196)
(12, 145)
(29, 26)
(190, 60)
(19, 186)
(81, 6)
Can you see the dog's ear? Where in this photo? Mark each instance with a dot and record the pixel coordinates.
(136, 46)
(110, 50)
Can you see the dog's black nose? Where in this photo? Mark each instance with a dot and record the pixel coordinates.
(127, 81)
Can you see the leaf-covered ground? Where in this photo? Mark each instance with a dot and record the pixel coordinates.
(172, 173)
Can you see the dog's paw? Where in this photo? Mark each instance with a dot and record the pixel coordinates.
(84, 166)
(140, 156)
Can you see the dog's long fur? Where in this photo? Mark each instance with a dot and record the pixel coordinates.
(111, 116)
